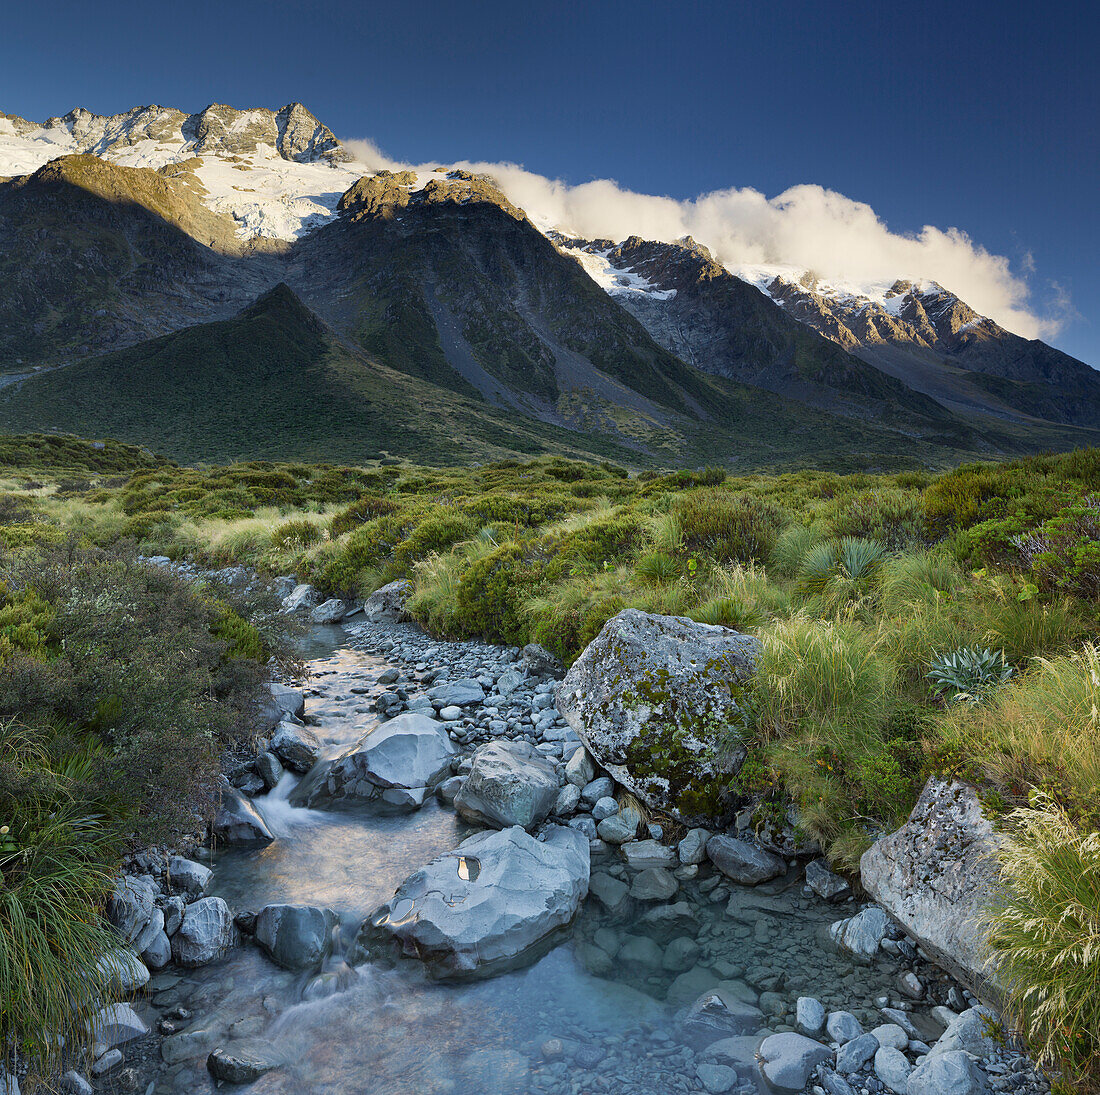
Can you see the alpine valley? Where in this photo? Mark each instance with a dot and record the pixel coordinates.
(232, 284)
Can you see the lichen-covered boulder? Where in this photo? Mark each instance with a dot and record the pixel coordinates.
(935, 876)
(658, 701)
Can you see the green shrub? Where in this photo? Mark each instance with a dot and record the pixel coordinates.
(492, 592)
(367, 508)
(728, 527)
(435, 533)
(295, 536)
(1044, 931)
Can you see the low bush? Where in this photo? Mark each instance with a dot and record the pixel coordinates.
(728, 527)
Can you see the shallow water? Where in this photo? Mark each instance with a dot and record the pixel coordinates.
(393, 1030)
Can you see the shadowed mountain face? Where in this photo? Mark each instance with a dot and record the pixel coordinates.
(404, 294)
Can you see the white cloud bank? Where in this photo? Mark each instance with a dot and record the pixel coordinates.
(807, 226)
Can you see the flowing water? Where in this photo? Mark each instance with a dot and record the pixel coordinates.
(391, 1029)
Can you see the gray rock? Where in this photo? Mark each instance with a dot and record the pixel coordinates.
(639, 950)
(290, 701)
(409, 752)
(612, 893)
(296, 746)
(541, 662)
(579, 769)
(843, 1026)
(718, 1014)
(510, 783)
(121, 971)
(653, 884)
(457, 693)
(159, 952)
(594, 790)
(909, 984)
(853, 1055)
(296, 937)
(238, 821)
(947, 1074)
(187, 876)
(892, 1068)
(206, 934)
(642, 854)
(300, 598)
(680, 955)
(935, 876)
(331, 611)
(568, 800)
(828, 885)
(73, 1083)
(717, 1079)
(106, 1061)
(738, 1052)
(743, 862)
(832, 1084)
(244, 1061)
(173, 915)
(451, 714)
(130, 907)
(615, 830)
(693, 847)
(788, 1060)
(968, 1032)
(891, 1036)
(115, 1025)
(604, 807)
(269, 768)
(809, 1016)
(491, 902)
(862, 934)
(584, 824)
(610, 700)
(388, 603)
(508, 682)
(448, 789)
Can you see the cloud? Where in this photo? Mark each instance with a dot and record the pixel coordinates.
(806, 226)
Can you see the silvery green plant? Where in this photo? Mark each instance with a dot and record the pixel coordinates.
(968, 675)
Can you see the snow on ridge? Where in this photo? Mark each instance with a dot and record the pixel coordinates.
(616, 280)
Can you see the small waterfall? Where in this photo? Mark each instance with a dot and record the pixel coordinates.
(281, 817)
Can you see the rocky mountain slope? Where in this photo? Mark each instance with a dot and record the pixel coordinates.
(117, 231)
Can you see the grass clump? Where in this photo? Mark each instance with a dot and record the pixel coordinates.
(1045, 933)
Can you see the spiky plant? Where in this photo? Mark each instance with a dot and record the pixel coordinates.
(656, 569)
(970, 674)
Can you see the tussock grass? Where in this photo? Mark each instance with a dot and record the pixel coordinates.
(1045, 933)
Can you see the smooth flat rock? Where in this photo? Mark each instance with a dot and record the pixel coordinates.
(490, 903)
(788, 1060)
(457, 693)
(642, 854)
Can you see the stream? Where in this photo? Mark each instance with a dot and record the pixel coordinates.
(595, 1014)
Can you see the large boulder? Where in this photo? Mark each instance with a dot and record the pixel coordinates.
(206, 934)
(302, 597)
(510, 783)
(297, 937)
(331, 612)
(936, 875)
(658, 701)
(393, 766)
(238, 821)
(951, 1073)
(489, 903)
(386, 605)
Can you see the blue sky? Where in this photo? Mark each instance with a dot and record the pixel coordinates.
(979, 116)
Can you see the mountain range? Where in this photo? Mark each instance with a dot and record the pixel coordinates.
(233, 284)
